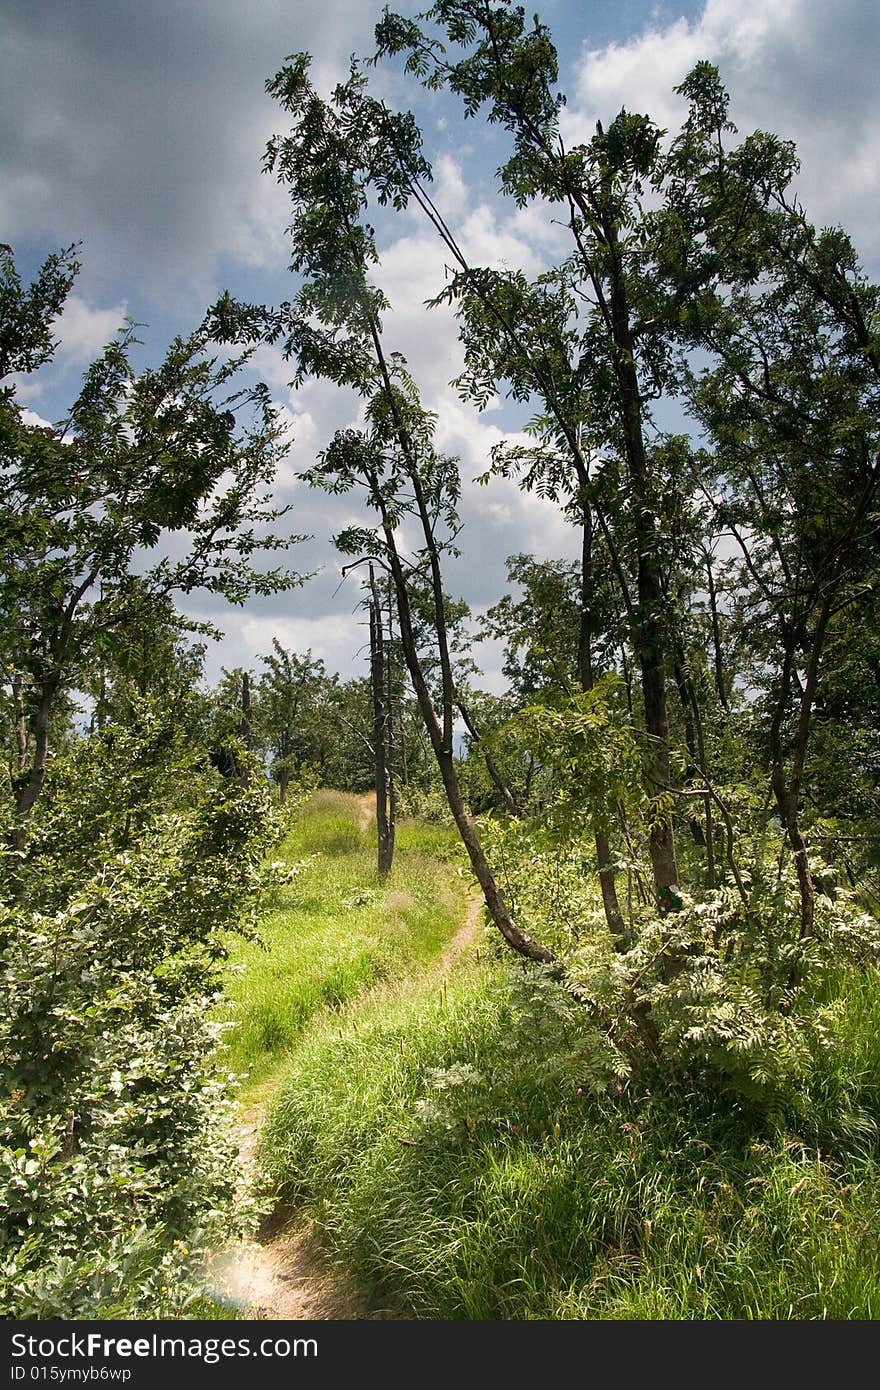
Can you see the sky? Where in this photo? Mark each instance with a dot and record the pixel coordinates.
(137, 127)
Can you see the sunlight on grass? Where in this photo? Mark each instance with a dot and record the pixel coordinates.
(424, 1143)
(337, 929)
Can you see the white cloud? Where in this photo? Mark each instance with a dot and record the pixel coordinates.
(35, 421)
(450, 192)
(84, 331)
(797, 68)
(330, 636)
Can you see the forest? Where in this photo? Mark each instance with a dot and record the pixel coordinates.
(644, 1081)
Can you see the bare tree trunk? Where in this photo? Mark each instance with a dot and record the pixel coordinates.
(21, 733)
(32, 787)
(607, 877)
(380, 732)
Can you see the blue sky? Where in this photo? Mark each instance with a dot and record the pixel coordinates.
(137, 127)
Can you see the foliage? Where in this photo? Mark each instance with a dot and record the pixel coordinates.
(450, 1149)
(733, 994)
(333, 929)
(175, 457)
(115, 1166)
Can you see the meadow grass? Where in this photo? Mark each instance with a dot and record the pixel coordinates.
(440, 1137)
(453, 1158)
(336, 929)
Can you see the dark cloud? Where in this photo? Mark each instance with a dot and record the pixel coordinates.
(139, 127)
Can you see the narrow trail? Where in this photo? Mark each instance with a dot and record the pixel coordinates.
(283, 1274)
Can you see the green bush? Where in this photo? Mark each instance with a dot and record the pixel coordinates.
(450, 1148)
(114, 1168)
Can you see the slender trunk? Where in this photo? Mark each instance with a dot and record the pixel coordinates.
(31, 788)
(607, 877)
(101, 711)
(720, 683)
(787, 790)
(501, 786)
(648, 635)
(690, 740)
(390, 745)
(284, 774)
(440, 737)
(244, 728)
(245, 732)
(707, 800)
(377, 687)
(21, 733)
(627, 680)
(442, 749)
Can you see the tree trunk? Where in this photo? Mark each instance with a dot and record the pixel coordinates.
(440, 737)
(607, 877)
(787, 790)
(389, 743)
(442, 749)
(284, 773)
(245, 732)
(720, 683)
(491, 766)
(32, 787)
(380, 733)
(648, 634)
(21, 733)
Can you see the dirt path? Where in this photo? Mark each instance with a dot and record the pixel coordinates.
(466, 934)
(284, 1275)
(281, 1275)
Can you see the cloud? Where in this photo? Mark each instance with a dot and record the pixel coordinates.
(797, 68)
(35, 421)
(332, 637)
(84, 331)
(141, 127)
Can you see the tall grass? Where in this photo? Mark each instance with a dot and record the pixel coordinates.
(336, 929)
(452, 1155)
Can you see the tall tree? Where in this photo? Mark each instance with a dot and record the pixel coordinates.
(141, 459)
(330, 160)
(379, 687)
(295, 700)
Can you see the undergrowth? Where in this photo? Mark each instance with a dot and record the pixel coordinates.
(449, 1148)
(334, 928)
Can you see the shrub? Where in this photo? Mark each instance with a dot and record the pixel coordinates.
(114, 1168)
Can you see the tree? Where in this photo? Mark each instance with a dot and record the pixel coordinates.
(601, 358)
(294, 704)
(380, 677)
(143, 459)
(792, 409)
(331, 158)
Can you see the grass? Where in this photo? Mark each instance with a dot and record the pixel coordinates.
(441, 1140)
(451, 1156)
(336, 929)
